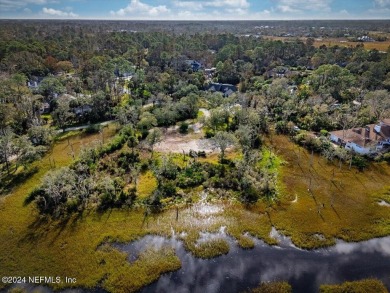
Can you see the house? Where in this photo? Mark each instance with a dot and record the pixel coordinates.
(366, 140)
(365, 39)
(32, 84)
(279, 72)
(65, 97)
(45, 108)
(210, 72)
(84, 109)
(193, 64)
(225, 89)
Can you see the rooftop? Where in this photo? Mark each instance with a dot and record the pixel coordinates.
(365, 136)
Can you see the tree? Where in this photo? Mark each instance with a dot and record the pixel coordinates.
(26, 152)
(127, 115)
(166, 116)
(218, 117)
(132, 143)
(188, 107)
(378, 103)
(65, 66)
(147, 121)
(26, 113)
(17, 85)
(51, 86)
(246, 137)
(153, 138)
(223, 140)
(5, 117)
(100, 106)
(7, 147)
(343, 155)
(331, 79)
(345, 119)
(58, 187)
(62, 115)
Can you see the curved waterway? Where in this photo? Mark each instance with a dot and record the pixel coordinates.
(242, 269)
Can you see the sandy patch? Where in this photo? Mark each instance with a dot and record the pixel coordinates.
(176, 143)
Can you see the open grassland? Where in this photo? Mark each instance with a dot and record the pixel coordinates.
(316, 199)
(342, 42)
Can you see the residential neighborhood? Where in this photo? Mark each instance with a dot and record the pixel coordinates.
(211, 156)
(368, 140)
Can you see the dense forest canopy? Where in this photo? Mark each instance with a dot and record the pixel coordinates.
(113, 130)
(90, 71)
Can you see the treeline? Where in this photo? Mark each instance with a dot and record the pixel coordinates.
(86, 75)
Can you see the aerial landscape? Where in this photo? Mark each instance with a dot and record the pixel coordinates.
(194, 146)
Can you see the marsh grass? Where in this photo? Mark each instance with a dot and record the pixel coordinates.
(146, 269)
(245, 242)
(210, 248)
(363, 286)
(146, 184)
(343, 205)
(273, 287)
(337, 203)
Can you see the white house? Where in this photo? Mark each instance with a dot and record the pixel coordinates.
(364, 140)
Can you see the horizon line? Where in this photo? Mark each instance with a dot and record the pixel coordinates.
(202, 20)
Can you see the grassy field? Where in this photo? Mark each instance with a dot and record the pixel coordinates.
(380, 46)
(339, 204)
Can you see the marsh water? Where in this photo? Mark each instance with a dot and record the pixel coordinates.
(242, 269)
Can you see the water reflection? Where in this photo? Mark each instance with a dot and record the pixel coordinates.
(378, 246)
(242, 269)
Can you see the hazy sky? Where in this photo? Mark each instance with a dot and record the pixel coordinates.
(196, 10)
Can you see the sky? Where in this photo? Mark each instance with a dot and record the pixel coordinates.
(195, 10)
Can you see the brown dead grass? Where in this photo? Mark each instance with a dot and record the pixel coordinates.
(342, 42)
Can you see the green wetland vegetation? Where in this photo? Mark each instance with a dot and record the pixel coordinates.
(77, 243)
(175, 160)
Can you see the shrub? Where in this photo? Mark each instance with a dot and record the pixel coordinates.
(209, 133)
(249, 195)
(359, 162)
(191, 176)
(183, 128)
(167, 189)
(93, 128)
(281, 127)
(324, 132)
(144, 166)
(126, 159)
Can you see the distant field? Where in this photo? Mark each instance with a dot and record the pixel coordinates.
(381, 46)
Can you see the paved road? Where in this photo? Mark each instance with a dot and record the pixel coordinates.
(84, 126)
